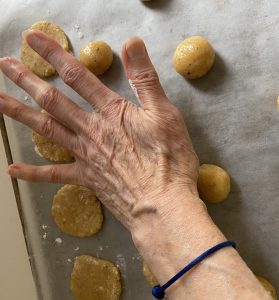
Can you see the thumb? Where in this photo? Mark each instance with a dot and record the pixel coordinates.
(142, 75)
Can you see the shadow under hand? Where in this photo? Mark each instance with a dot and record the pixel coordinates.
(231, 219)
(157, 4)
(213, 81)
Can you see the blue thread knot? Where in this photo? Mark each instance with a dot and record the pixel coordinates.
(158, 292)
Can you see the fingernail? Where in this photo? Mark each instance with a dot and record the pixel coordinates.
(30, 36)
(12, 170)
(24, 33)
(135, 49)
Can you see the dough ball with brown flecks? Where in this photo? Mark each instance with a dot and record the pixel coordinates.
(97, 56)
(214, 183)
(95, 279)
(193, 57)
(32, 59)
(77, 211)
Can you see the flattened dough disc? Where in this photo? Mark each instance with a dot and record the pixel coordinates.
(32, 59)
(48, 149)
(77, 211)
(95, 279)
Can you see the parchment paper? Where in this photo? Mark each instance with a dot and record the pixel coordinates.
(231, 115)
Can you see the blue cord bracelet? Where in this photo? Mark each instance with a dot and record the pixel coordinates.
(159, 291)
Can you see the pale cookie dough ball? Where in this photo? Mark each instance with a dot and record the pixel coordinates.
(194, 57)
(268, 287)
(94, 278)
(77, 211)
(32, 59)
(97, 56)
(151, 279)
(49, 150)
(214, 183)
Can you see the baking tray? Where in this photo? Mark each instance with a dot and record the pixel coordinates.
(231, 115)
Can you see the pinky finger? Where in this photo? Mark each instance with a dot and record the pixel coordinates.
(60, 173)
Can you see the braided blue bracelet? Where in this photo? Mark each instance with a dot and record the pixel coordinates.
(159, 291)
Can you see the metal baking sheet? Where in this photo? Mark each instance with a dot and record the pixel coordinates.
(231, 114)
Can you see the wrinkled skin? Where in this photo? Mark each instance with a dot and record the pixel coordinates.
(130, 155)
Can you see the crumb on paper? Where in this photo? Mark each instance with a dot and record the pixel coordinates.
(100, 248)
(69, 260)
(44, 226)
(58, 240)
(44, 235)
(80, 35)
(76, 249)
(120, 261)
(27, 100)
(77, 27)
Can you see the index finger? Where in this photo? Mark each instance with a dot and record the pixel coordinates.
(70, 69)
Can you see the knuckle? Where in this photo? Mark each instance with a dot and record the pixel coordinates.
(147, 76)
(48, 97)
(169, 118)
(17, 111)
(20, 75)
(54, 175)
(71, 73)
(48, 51)
(79, 148)
(47, 128)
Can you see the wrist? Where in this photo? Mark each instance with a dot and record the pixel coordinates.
(172, 235)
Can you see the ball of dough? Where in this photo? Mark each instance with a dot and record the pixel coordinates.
(97, 56)
(94, 278)
(268, 287)
(50, 150)
(214, 183)
(194, 57)
(151, 279)
(32, 59)
(77, 211)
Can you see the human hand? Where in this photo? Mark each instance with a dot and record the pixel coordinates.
(133, 157)
(139, 161)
